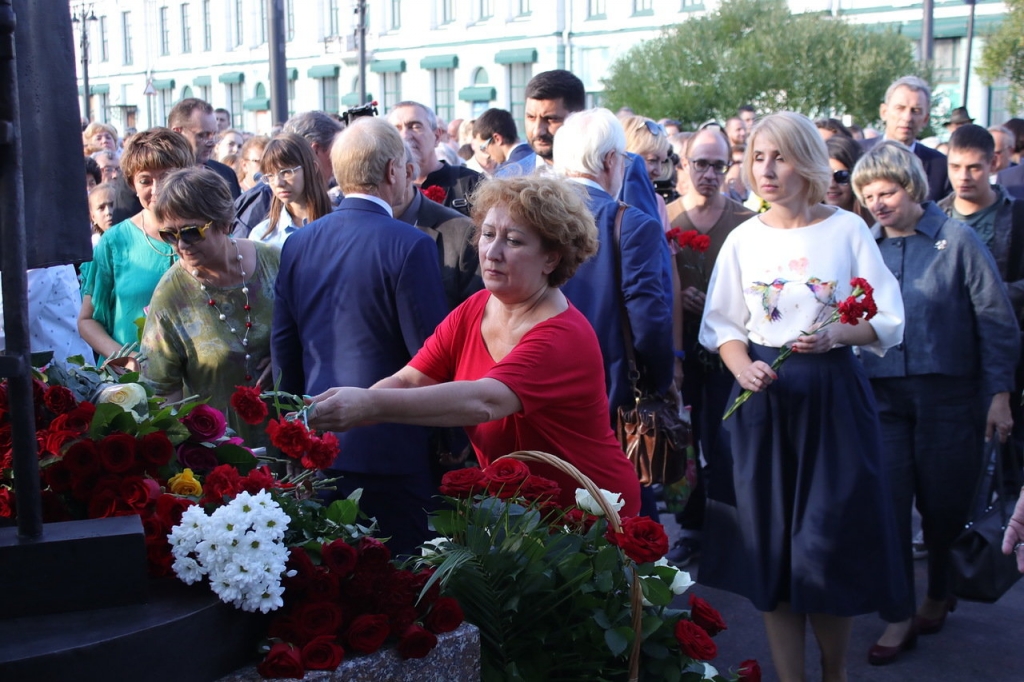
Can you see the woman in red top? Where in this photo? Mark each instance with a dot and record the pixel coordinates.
(516, 364)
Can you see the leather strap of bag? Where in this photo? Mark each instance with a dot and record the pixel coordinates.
(627, 330)
(990, 481)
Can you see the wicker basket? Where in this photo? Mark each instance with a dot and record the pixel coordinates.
(615, 523)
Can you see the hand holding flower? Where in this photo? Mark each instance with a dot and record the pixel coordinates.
(756, 376)
(340, 408)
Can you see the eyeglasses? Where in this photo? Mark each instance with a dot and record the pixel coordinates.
(256, 160)
(487, 143)
(701, 165)
(189, 234)
(842, 177)
(654, 128)
(284, 175)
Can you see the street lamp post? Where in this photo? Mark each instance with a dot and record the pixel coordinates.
(82, 15)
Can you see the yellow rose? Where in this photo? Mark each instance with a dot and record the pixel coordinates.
(185, 483)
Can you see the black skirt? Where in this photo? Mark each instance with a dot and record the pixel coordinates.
(798, 506)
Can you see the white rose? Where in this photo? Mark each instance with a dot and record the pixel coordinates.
(586, 501)
(130, 397)
(709, 671)
(681, 582)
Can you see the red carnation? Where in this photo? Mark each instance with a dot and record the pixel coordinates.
(445, 616)
(59, 400)
(642, 539)
(749, 671)
(258, 479)
(323, 450)
(862, 284)
(463, 482)
(706, 616)
(340, 557)
(248, 405)
(283, 660)
(223, 481)
(700, 243)
(435, 194)
(504, 477)
(290, 437)
(322, 653)
(416, 642)
(155, 449)
(117, 453)
(367, 632)
(695, 641)
(850, 311)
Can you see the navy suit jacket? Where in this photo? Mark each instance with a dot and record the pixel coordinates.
(357, 294)
(648, 302)
(1012, 180)
(934, 167)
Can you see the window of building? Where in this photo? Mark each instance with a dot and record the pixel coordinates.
(186, 30)
(261, 29)
(207, 27)
(690, 5)
(643, 7)
(165, 32)
(104, 44)
(235, 98)
(444, 93)
(329, 95)
(947, 60)
(102, 108)
(203, 92)
(596, 9)
(485, 10)
(518, 76)
(291, 98)
(186, 93)
(126, 37)
(239, 24)
(446, 10)
(525, 7)
(289, 10)
(395, 18)
(165, 100)
(333, 18)
(391, 85)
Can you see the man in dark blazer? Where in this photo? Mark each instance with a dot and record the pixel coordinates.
(193, 118)
(905, 113)
(1012, 180)
(357, 294)
(495, 134)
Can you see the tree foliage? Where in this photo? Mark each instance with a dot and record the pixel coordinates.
(757, 52)
(1003, 55)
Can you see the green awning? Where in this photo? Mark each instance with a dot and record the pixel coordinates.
(232, 77)
(525, 55)
(293, 74)
(324, 71)
(388, 66)
(98, 89)
(440, 61)
(352, 99)
(479, 93)
(257, 104)
(163, 83)
(202, 81)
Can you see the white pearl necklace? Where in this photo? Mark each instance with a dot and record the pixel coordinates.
(244, 338)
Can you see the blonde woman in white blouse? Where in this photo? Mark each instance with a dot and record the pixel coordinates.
(799, 520)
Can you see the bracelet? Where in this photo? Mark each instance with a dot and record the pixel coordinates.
(681, 354)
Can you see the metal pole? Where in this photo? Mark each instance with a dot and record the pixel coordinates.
(970, 47)
(361, 35)
(16, 360)
(86, 100)
(927, 34)
(278, 62)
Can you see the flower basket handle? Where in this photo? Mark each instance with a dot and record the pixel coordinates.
(615, 523)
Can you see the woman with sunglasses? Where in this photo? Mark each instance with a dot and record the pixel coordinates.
(130, 257)
(208, 328)
(843, 154)
(291, 171)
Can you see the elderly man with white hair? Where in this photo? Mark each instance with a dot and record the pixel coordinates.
(590, 149)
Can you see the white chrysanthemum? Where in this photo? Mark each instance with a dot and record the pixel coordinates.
(586, 501)
(188, 570)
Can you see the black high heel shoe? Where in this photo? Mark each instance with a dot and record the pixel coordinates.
(884, 655)
(931, 626)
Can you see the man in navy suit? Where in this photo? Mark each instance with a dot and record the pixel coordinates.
(550, 97)
(495, 134)
(357, 294)
(905, 113)
(1012, 180)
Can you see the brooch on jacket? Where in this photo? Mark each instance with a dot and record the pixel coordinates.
(940, 245)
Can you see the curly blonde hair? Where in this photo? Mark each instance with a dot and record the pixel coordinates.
(555, 209)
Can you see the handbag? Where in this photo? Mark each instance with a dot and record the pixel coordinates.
(654, 433)
(981, 572)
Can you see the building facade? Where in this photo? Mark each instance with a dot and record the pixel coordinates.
(459, 56)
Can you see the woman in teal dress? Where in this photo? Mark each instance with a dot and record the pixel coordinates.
(130, 258)
(208, 327)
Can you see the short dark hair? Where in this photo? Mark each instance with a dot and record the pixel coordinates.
(92, 168)
(195, 193)
(834, 125)
(558, 84)
(844, 149)
(496, 121)
(181, 113)
(746, 107)
(222, 110)
(975, 137)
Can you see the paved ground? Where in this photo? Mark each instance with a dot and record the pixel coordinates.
(980, 642)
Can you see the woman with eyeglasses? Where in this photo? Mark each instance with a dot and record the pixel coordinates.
(843, 154)
(249, 161)
(130, 257)
(291, 171)
(208, 328)
(799, 508)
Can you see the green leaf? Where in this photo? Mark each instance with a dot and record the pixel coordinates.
(343, 512)
(656, 591)
(616, 641)
(608, 558)
(41, 359)
(104, 415)
(129, 378)
(237, 456)
(448, 522)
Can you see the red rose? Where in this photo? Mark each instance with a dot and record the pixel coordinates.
(205, 423)
(223, 481)
(706, 616)
(159, 557)
(117, 453)
(373, 553)
(155, 450)
(169, 509)
(323, 450)
(38, 392)
(445, 616)
(59, 400)
(283, 627)
(5, 437)
(6, 461)
(82, 459)
(537, 488)
(322, 653)
(298, 561)
(642, 539)
(402, 618)
(695, 641)
(749, 671)
(416, 642)
(153, 528)
(367, 632)
(55, 441)
(7, 503)
(433, 594)
(80, 418)
(505, 476)
(106, 503)
(54, 509)
(248, 405)
(283, 660)
(435, 194)
(462, 482)
(290, 437)
(340, 557)
(138, 492)
(315, 618)
(197, 457)
(258, 479)
(322, 586)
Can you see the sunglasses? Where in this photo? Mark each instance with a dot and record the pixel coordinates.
(654, 128)
(701, 165)
(842, 177)
(189, 234)
(487, 143)
(284, 175)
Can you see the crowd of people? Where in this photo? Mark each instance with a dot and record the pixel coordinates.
(451, 292)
